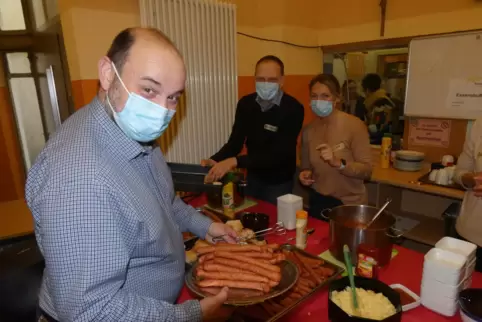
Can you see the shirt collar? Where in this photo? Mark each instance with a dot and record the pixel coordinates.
(266, 105)
(119, 141)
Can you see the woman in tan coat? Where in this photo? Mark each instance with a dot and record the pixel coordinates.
(336, 153)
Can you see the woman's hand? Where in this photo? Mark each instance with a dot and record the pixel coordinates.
(306, 178)
(326, 153)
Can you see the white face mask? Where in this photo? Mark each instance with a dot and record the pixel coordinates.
(266, 90)
(141, 119)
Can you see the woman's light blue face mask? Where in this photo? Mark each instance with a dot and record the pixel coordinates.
(141, 119)
(321, 108)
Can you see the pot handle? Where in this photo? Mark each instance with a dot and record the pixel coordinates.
(397, 233)
(322, 213)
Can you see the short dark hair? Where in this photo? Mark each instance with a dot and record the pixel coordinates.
(329, 81)
(122, 44)
(371, 82)
(273, 59)
(120, 47)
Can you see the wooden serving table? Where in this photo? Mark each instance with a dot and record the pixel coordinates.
(406, 269)
(408, 180)
(411, 199)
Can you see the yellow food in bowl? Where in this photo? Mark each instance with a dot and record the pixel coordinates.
(371, 305)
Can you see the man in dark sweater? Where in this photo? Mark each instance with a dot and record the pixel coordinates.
(269, 122)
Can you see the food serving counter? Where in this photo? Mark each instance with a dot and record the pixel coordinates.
(405, 268)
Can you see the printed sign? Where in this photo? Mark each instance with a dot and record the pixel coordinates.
(430, 132)
(465, 94)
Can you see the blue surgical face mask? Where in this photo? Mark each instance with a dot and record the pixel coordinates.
(266, 90)
(141, 119)
(322, 108)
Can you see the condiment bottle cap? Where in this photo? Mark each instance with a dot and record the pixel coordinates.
(301, 214)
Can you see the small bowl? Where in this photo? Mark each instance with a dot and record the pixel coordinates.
(255, 221)
(407, 296)
(470, 301)
(336, 314)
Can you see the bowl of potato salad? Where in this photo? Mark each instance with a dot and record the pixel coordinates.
(376, 301)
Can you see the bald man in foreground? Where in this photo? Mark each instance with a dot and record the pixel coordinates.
(107, 219)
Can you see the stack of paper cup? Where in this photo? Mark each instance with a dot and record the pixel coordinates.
(447, 270)
(288, 205)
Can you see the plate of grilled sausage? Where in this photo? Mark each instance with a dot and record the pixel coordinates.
(253, 273)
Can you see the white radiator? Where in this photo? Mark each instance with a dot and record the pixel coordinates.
(205, 33)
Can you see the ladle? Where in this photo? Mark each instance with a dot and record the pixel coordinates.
(378, 213)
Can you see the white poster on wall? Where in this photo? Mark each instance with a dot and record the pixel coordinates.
(465, 94)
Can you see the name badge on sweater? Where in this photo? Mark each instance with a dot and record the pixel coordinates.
(271, 128)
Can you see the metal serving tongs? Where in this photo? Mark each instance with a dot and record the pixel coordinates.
(278, 229)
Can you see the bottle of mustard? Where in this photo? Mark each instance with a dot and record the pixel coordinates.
(385, 152)
(228, 196)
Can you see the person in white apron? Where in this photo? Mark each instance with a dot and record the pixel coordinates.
(469, 174)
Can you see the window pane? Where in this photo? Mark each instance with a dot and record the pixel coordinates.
(39, 14)
(29, 120)
(11, 15)
(18, 63)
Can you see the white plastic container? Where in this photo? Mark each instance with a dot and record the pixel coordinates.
(438, 289)
(470, 268)
(444, 266)
(446, 307)
(288, 205)
(457, 246)
(416, 298)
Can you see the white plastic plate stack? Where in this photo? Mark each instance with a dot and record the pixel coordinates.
(460, 247)
(447, 270)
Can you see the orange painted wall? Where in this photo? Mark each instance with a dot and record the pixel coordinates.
(83, 91)
(12, 174)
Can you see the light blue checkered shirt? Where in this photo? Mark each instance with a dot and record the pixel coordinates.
(109, 225)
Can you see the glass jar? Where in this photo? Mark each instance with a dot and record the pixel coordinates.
(368, 259)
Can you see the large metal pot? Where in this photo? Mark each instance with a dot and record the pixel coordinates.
(347, 228)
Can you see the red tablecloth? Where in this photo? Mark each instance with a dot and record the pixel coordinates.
(406, 269)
